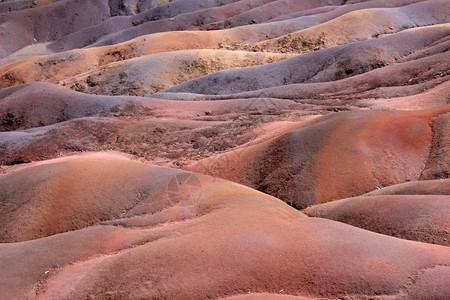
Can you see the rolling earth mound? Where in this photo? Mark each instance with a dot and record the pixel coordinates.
(224, 149)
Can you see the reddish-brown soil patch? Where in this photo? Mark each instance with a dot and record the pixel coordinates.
(422, 218)
(339, 156)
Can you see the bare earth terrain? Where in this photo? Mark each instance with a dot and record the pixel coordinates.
(224, 149)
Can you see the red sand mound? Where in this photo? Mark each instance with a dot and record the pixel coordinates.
(339, 156)
(413, 217)
(426, 187)
(132, 77)
(438, 164)
(215, 239)
(49, 22)
(272, 10)
(370, 23)
(320, 66)
(116, 66)
(61, 197)
(414, 90)
(60, 18)
(257, 32)
(238, 38)
(175, 16)
(42, 104)
(165, 141)
(312, 102)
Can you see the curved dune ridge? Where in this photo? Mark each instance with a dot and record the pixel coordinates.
(349, 60)
(144, 75)
(150, 74)
(224, 149)
(188, 225)
(413, 217)
(339, 156)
